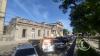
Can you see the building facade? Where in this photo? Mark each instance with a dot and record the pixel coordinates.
(23, 29)
(2, 14)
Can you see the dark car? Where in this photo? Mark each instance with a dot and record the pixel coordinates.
(60, 42)
(25, 50)
(59, 45)
(61, 39)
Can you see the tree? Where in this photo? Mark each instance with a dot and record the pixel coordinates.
(65, 31)
(65, 4)
(85, 17)
(85, 14)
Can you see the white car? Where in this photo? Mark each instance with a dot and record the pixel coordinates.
(25, 50)
(47, 45)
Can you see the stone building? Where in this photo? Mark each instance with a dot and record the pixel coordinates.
(2, 14)
(23, 29)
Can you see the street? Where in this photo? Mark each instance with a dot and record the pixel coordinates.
(68, 49)
(57, 52)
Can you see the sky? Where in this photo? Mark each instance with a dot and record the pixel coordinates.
(37, 10)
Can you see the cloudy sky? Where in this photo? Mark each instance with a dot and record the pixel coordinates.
(37, 10)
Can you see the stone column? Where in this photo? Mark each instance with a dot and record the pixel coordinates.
(2, 14)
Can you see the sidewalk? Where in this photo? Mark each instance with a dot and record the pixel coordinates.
(6, 49)
(93, 44)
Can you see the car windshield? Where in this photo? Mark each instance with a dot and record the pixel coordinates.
(25, 52)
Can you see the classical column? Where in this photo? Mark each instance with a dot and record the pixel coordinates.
(2, 14)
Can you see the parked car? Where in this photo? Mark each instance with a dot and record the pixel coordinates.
(47, 45)
(25, 50)
(59, 45)
(60, 42)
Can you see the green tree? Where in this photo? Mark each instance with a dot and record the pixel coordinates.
(85, 17)
(65, 31)
(85, 14)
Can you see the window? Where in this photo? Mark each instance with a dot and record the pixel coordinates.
(33, 30)
(61, 30)
(48, 33)
(43, 32)
(33, 33)
(24, 33)
(38, 32)
(54, 31)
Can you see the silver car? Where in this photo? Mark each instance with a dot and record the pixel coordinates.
(25, 50)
